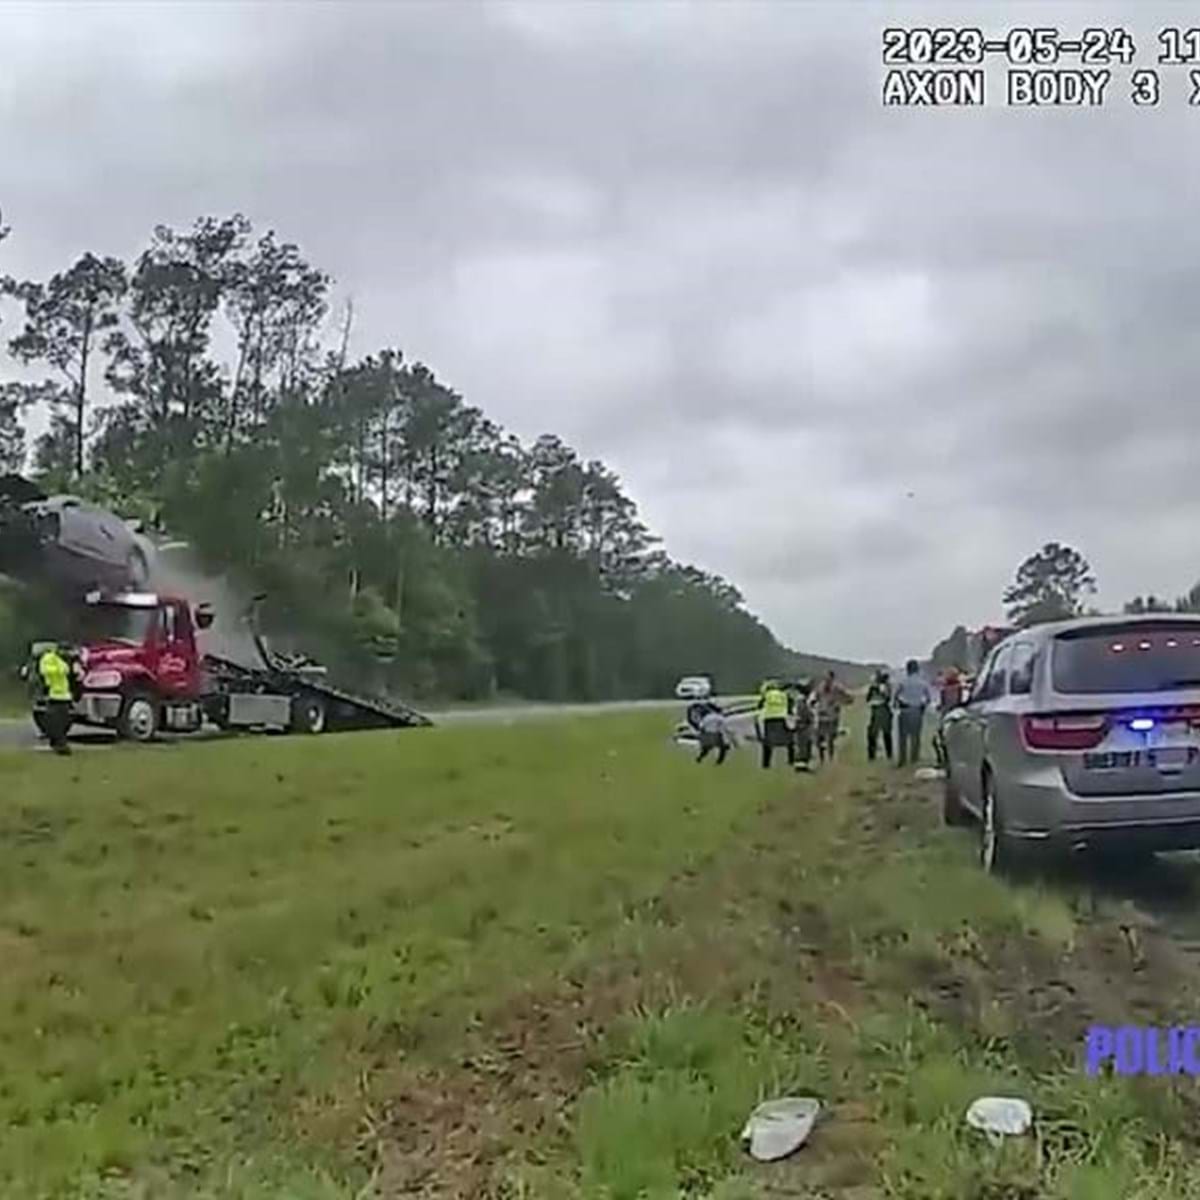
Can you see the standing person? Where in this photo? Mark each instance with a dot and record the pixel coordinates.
(951, 695)
(913, 697)
(830, 698)
(772, 714)
(55, 674)
(880, 718)
(714, 735)
(951, 692)
(802, 724)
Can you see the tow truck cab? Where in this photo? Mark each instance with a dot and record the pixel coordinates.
(141, 664)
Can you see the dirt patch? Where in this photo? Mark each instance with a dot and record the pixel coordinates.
(448, 1130)
(444, 1131)
(838, 1163)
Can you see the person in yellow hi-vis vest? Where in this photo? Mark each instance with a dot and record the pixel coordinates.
(55, 674)
(772, 714)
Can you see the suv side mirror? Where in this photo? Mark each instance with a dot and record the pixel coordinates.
(204, 616)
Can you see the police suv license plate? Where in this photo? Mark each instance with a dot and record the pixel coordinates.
(1169, 750)
(1163, 750)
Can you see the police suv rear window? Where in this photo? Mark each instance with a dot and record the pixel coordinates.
(1127, 658)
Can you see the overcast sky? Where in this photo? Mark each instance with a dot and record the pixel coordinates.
(859, 360)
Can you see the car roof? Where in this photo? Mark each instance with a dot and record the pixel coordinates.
(1052, 629)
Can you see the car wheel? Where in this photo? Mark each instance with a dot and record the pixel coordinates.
(308, 714)
(953, 812)
(139, 718)
(998, 854)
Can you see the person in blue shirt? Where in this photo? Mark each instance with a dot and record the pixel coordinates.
(913, 697)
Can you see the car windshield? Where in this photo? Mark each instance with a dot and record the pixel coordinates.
(118, 623)
(1128, 658)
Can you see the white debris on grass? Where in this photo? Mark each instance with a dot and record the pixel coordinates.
(928, 774)
(1000, 1116)
(777, 1128)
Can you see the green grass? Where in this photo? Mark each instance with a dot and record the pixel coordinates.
(201, 941)
(543, 960)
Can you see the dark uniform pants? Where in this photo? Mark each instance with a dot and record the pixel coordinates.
(879, 729)
(910, 721)
(775, 732)
(55, 722)
(803, 737)
(710, 742)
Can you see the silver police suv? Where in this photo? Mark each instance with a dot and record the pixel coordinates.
(1081, 734)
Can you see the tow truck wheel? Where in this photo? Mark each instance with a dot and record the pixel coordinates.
(308, 714)
(139, 718)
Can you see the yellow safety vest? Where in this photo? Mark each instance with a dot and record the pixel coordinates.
(773, 704)
(56, 675)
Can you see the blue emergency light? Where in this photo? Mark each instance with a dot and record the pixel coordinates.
(1141, 724)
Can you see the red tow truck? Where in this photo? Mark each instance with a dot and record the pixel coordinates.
(141, 670)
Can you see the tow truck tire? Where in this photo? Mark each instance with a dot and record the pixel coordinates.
(308, 714)
(139, 718)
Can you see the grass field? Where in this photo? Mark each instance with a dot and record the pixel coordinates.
(550, 960)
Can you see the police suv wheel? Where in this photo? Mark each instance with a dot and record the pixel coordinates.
(999, 853)
(139, 719)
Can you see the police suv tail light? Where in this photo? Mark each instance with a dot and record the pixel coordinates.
(1064, 731)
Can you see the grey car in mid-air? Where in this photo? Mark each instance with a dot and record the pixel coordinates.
(1081, 734)
(74, 544)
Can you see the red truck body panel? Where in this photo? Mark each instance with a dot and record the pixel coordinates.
(167, 659)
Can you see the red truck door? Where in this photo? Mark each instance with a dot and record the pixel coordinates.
(178, 662)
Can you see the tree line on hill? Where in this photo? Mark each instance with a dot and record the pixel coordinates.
(417, 543)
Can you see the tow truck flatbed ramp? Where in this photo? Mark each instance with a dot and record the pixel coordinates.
(346, 709)
(391, 712)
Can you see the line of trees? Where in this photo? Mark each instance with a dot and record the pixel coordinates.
(414, 540)
(1054, 583)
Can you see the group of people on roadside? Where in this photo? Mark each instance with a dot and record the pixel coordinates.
(903, 708)
(793, 717)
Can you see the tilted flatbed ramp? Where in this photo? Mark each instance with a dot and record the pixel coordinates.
(391, 712)
(344, 709)
(295, 674)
